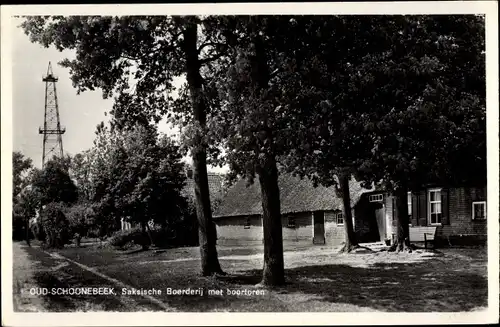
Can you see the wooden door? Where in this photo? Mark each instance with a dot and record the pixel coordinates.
(380, 217)
(319, 227)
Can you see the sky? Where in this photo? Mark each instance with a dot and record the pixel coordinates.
(79, 113)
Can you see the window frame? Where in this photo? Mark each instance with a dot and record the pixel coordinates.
(337, 218)
(429, 206)
(485, 211)
(247, 223)
(376, 197)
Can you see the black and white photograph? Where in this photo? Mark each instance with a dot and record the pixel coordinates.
(181, 161)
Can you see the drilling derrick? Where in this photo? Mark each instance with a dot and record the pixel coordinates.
(51, 130)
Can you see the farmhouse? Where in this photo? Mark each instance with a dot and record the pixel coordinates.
(309, 214)
(457, 213)
(313, 215)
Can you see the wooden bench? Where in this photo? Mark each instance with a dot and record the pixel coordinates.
(423, 234)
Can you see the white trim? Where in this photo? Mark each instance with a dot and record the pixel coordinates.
(429, 205)
(312, 220)
(485, 211)
(409, 204)
(376, 197)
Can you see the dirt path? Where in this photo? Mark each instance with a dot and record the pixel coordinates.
(38, 269)
(23, 280)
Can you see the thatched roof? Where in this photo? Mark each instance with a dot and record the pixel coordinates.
(297, 195)
(215, 185)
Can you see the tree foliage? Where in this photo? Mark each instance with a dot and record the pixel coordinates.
(400, 103)
(81, 219)
(136, 58)
(263, 95)
(55, 225)
(80, 172)
(21, 209)
(20, 166)
(392, 100)
(135, 174)
(54, 183)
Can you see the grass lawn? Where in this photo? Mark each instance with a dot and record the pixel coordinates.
(318, 279)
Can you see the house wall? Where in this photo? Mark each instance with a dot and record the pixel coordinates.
(460, 211)
(390, 218)
(457, 212)
(231, 231)
(334, 233)
(303, 228)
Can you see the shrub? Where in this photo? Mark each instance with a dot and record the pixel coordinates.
(161, 237)
(38, 232)
(55, 225)
(125, 238)
(18, 227)
(81, 219)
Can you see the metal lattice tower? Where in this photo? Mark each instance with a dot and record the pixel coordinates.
(52, 131)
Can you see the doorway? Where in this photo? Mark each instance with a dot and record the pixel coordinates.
(380, 218)
(319, 227)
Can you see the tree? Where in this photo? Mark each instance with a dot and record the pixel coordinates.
(50, 184)
(80, 173)
(435, 80)
(20, 167)
(55, 224)
(262, 94)
(54, 184)
(137, 175)
(392, 101)
(150, 51)
(81, 219)
(308, 71)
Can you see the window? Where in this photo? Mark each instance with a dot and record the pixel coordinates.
(479, 210)
(376, 198)
(247, 223)
(435, 211)
(409, 206)
(291, 222)
(340, 218)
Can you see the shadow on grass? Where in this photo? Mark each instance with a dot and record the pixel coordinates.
(55, 278)
(450, 283)
(409, 287)
(54, 302)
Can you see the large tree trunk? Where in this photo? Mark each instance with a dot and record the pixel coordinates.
(402, 241)
(206, 228)
(350, 237)
(274, 269)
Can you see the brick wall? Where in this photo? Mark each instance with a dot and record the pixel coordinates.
(334, 234)
(302, 230)
(460, 211)
(231, 231)
(458, 206)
